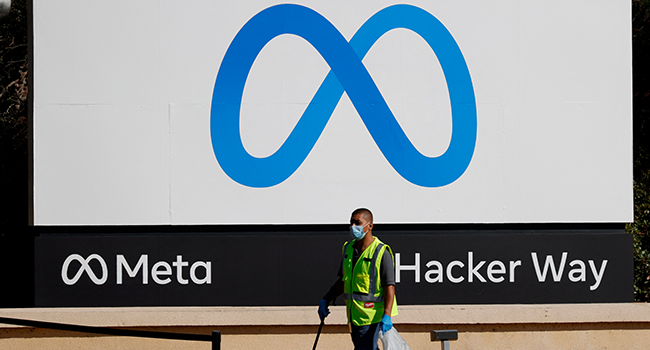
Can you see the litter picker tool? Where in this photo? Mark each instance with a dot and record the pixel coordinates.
(320, 328)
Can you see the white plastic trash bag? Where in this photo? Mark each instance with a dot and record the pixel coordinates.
(392, 340)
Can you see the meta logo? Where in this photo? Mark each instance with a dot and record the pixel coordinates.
(200, 272)
(349, 75)
(85, 267)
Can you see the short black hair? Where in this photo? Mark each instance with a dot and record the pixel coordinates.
(363, 211)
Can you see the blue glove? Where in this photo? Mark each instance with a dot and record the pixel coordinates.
(323, 311)
(386, 324)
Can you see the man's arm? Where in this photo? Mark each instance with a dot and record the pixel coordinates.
(335, 291)
(388, 299)
(387, 271)
(331, 295)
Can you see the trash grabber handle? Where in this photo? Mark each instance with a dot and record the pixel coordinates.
(320, 328)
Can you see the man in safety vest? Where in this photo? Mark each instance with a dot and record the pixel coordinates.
(367, 278)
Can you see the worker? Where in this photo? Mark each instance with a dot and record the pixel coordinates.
(367, 277)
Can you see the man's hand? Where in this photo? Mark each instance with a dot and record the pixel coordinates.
(386, 324)
(323, 310)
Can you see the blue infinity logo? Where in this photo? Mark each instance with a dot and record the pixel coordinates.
(347, 74)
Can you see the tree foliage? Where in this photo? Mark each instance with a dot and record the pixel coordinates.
(640, 229)
(13, 116)
(16, 245)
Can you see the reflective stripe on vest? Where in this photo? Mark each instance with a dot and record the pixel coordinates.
(364, 297)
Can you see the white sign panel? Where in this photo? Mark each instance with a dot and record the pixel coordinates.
(258, 112)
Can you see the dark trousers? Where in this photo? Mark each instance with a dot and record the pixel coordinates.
(365, 337)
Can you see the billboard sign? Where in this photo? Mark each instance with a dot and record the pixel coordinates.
(435, 267)
(261, 112)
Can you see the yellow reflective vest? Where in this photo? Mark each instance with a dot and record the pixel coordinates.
(363, 292)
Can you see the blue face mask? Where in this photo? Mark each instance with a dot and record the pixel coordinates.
(356, 231)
